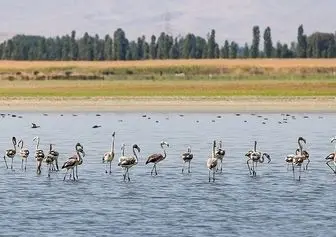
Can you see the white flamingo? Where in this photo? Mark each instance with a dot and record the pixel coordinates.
(126, 162)
(24, 153)
(332, 157)
(39, 155)
(187, 157)
(212, 162)
(54, 157)
(109, 156)
(10, 153)
(220, 153)
(156, 158)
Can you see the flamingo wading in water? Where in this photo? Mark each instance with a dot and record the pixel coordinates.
(126, 162)
(73, 161)
(109, 156)
(187, 157)
(156, 158)
(212, 162)
(10, 153)
(332, 157)
(39, 155)
(24, 153)
(220, 153)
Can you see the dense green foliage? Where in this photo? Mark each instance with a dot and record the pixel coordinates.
(190, 46)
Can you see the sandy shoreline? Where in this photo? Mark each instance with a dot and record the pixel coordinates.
(143, 104)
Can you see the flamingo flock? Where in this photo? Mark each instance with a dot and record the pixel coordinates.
(299, 160)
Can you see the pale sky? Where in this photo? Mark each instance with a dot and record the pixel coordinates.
(232, 19)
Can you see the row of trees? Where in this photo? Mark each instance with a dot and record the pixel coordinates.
(118, 47)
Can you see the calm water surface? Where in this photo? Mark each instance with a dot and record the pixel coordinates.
(171, 204)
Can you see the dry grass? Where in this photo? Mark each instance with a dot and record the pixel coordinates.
(166, 88)
(265, 63)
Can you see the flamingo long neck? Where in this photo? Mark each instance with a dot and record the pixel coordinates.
(21, 142)
(164, 152)
(123, 150)
(220, 144)
(14, 144)
(38, 143)
(112, 145)
(213, 149)
(300, 146)
(135, 155)
(255, 146)
(78, 155)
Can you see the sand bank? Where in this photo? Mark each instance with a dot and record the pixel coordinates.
(172, 104)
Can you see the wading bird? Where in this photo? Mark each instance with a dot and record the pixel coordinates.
(109, 156)
(53, 155)
(74, 161)
(299, 158)
(10, 153)
(39, 155)
(212, 163)
(24, 153)
(187, 157)
(156, 158)
(126, 162)
(332, 157)
(256, 157)
(220, 153)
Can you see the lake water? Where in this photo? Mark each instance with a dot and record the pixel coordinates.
(170, 204)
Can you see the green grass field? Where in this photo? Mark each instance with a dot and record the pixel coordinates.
(166, 88)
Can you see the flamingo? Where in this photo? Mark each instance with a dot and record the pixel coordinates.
(39, 155)
(109, 156)
(254, 156)
(220, 153)
(299, 158)
(212, 162)
(73, 161)
(54, 157)
(10, 153)
(290, 157)
(24, 153)
(126, 162)
(187, 157)
(332, 156)
(156, 158)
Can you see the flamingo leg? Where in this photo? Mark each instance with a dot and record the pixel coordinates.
(308, 161)
(21, 164)
(221, 166)
(12, 164)
(73, 173)
(128, 176)
(49, 169)
(26, 164)
(183, 166)
(293, 168)
(248, 165)
(300, 173)
(5, 161)
(213, 175)
(106, 168)
(77, 171)
(209, 176)
(155, 170)
(333, 169)
(56, 163)
(152, 169)
(189, 167)
(110, 167)
(65, 174)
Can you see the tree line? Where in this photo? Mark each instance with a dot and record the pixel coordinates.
(165, 46)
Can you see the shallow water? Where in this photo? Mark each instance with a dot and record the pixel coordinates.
(171, 204)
